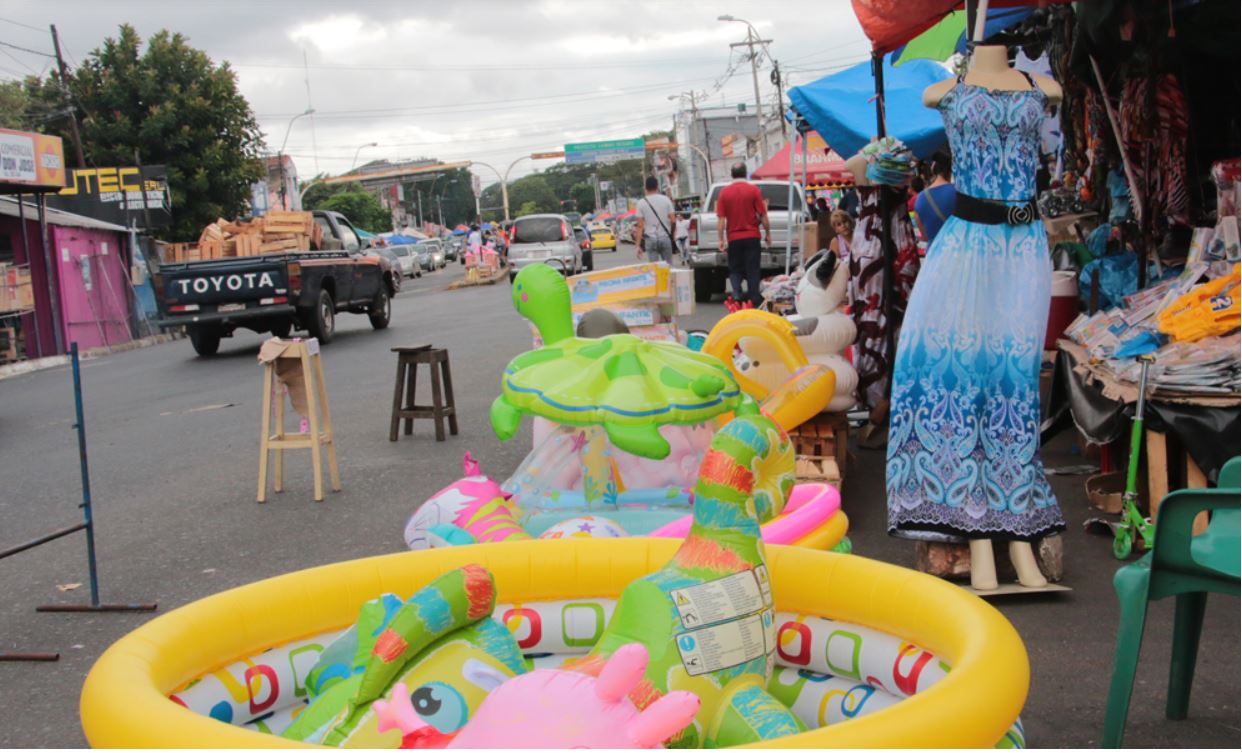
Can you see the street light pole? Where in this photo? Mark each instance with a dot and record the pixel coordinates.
(280, 156)
(356, 151)
(753, 38)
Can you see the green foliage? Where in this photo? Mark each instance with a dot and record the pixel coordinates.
(533, 190)
(361, 207)
(583, 195)
(167, 104)
(451, 191)
(529, 207)
(13, 105)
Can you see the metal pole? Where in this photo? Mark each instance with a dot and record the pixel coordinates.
(751, 38)
(789, 229)
(89, 523)
(53, 276)
(886, 229)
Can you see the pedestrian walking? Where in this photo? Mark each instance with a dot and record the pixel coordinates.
(683, 233)
(656, 220)
(740, 212)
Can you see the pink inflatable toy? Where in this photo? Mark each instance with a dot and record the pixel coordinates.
(475, 505)
(809, 507)
(556, 708)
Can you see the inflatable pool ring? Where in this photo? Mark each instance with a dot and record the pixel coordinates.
(442, 643)
(126, 699)
(800, 396)
(813, 512)
(558, 709)
(627, 385)
(585, 527)
(468, 511)
(707, 617)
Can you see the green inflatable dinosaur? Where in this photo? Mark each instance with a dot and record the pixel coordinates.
(707, 618)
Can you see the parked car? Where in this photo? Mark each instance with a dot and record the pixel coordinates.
(584, 243)
(452, 247)
(434, 253)
(406, 259)
(602, 238)
(544, 239)
(278, 292)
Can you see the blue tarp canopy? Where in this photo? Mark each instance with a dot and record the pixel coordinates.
(396, 239)
(459, 231)
(842, 106)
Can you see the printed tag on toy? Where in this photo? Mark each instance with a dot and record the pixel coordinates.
(723, 599)
(726, 645)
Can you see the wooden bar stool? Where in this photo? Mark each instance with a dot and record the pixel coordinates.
(276, 355)
(442, 405)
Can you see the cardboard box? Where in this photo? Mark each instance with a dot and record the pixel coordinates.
(666, 332)
(638, 315)
(681, 284)
(636, 282)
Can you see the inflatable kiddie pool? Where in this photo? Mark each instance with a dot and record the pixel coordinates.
(963, 662)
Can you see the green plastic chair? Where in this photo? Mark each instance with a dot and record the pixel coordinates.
(1183, 566)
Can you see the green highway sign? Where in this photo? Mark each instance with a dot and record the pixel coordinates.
(604, 151)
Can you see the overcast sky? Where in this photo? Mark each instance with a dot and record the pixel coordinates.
(482, 80)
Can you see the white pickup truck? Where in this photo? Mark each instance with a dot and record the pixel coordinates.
(708, 260)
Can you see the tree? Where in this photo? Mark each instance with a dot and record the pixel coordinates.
(533, 189)
(361, 208)
(583, 195)
(168, 104)
(13, 105)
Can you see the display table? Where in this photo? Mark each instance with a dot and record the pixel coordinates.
(1205, 428)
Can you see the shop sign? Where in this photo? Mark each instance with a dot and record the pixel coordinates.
(130, 196)
(31, 159)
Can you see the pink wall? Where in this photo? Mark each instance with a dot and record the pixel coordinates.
(98, 315)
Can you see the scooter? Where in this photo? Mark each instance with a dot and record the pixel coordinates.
(1133, 524)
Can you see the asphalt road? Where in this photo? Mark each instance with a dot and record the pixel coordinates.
(173, 453)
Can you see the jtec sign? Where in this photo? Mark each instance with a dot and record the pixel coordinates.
(136, 196)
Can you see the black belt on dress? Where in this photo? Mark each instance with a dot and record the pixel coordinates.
(989, 212)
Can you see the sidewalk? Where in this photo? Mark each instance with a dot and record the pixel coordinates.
(39, 364)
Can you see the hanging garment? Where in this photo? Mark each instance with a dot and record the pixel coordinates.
(963, 444)
(1156, 146)
(866, 288)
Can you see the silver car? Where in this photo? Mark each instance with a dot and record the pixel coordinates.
(406, 257)
(433, 252)
(544, 239)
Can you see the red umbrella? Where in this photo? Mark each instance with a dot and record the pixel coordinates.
(891, 23)
(630, 213)
(824, 166)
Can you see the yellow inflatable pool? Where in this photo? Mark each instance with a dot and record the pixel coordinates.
(125, 701)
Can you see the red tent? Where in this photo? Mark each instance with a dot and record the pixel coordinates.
(825, 168)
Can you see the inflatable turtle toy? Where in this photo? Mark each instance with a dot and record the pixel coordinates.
(629, 386)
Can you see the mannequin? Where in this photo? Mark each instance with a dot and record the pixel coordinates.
(1028, 511)
(989, 68)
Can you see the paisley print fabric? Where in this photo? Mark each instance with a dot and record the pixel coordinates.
(963, 448)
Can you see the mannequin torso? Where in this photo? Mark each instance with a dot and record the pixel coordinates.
(989, 68)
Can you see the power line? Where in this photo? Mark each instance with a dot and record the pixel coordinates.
(26, 49)
(24, 26)
(19, 61)
(473, 68)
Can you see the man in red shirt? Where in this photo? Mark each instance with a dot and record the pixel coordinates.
(739, 213)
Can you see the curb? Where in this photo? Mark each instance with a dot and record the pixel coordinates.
(51, 362)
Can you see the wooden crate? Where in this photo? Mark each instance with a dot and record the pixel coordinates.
(821, 445)
(8, 344)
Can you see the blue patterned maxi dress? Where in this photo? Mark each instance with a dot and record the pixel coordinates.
(963, 446)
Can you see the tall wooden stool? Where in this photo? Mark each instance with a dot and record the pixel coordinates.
(281, 360)
(442, 405)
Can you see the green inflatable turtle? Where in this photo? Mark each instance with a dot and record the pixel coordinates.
(628, 385)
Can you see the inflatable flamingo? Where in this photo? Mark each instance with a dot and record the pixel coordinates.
(468, 511)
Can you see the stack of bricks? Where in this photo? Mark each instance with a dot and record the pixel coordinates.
(277, 232)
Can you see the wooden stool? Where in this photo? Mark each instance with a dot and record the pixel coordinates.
(442, 405)
(318, 417)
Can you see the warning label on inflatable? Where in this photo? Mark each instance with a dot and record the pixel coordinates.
(727, 645)
(727, 598)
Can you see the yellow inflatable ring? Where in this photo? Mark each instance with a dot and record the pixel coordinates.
(125, 704)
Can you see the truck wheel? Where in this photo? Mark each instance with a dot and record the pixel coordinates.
(704, 285)
(205, 339)
(321, 322)
(381, 309)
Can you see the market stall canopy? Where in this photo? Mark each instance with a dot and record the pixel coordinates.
(839, 107)
(398, 239)
(891, 23)
(948, 36)
(825, 168)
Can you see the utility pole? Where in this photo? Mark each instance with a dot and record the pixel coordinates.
(595, 182)
(753, 39)
(780, 97)
(64, 90)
